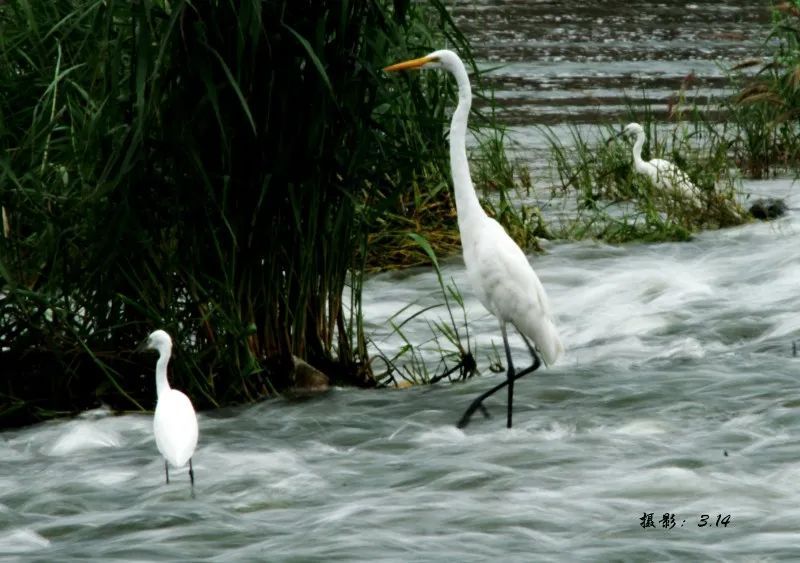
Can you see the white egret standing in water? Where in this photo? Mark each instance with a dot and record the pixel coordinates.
(497, 268)
(662, 173)
(174, 422)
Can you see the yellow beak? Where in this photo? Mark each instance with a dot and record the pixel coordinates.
(415, 63)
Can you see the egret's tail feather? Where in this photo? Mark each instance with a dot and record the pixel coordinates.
(545, 337)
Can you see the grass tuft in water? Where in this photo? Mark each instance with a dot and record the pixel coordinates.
(615, 203)
(447, 354)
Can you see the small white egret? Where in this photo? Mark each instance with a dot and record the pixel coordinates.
(662, 173)
(174, 422)
(497, 268)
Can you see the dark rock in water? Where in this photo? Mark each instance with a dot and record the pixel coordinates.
(768, 208)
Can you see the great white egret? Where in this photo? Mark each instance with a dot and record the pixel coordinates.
(497, 268)
(662, 173)
(174, 422)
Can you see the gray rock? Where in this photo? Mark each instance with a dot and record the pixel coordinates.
(768, 208)
(308, 378)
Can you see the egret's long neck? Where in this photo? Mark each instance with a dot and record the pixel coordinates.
(638, 163)
(467, 204)
(162, 385)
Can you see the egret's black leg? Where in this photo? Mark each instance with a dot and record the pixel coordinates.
(511, 377)
(166, 470)
(191, 472)
(476, 404)
(536, 361)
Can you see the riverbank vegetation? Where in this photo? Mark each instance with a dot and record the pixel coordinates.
(219, 170)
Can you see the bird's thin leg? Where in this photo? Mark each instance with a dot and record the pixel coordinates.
(191, 472)
(166, 470)
(509, 375)
(536, 361)
(512, 377)
(477, 403)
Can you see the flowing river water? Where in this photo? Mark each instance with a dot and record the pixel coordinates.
(678, 394)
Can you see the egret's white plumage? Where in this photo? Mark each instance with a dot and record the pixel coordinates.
(662, 173)
(498, 270)
(174, 422)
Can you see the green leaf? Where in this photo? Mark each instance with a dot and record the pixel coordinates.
(423, 243)
(317, 63)
(235, 85)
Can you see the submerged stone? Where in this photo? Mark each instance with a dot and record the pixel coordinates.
(308, 378)
(768, 208)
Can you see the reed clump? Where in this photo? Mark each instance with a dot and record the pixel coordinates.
(215, 169)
